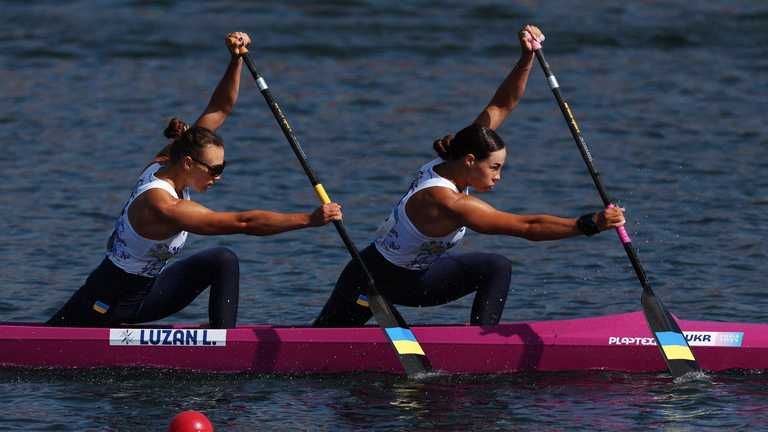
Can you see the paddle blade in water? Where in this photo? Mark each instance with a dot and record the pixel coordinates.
(671, 340)
(407, 347)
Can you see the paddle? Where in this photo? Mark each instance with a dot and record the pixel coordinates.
(670, 339)
(406, 346)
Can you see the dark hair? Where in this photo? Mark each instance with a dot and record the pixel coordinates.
(192, 142)
(475, 139)
(175, 128)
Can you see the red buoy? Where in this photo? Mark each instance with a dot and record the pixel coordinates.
(190, 421)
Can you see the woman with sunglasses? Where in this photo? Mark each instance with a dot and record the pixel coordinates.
(409, 258)
(134, 284)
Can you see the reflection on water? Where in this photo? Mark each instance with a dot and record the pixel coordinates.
(361, 401)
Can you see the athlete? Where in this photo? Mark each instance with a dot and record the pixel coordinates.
(134, 283)
(409, 258)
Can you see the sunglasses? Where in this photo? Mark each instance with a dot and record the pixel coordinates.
(213, 171)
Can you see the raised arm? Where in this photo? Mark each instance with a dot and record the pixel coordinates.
(225, 95)
(512, 88)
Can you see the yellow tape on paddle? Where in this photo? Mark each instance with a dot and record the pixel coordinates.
(321, 193)
(571, 118)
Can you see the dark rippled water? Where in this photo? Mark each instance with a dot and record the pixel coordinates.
(672, 97)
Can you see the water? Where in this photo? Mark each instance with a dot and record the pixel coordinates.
(671, 96)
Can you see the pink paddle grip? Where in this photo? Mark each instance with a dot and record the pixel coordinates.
(623, 236)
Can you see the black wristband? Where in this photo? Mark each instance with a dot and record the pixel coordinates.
(587, 225)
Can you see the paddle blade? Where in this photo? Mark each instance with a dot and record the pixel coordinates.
(670, 339)
(408, 350)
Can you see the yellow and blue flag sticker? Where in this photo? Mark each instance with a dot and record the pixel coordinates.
(404, 341)
(362, 300)
(100, 307)
(674, 346)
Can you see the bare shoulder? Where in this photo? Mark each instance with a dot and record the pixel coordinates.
(439, 194)
(157, 197)
(161, 203)
(444, 202)
(436, 197)
(458, 202)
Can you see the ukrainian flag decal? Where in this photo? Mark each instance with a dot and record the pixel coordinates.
(674, 346)
(362, 300)
(404, 341)
(100, 307)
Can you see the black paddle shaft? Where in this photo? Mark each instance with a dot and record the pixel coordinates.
(659, 319)
(386, 315)
(587, 156)
(302, 157)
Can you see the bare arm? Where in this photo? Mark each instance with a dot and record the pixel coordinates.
(512, 89)
(225, 95)
(175, 215)
(222, 101)
(483, 218)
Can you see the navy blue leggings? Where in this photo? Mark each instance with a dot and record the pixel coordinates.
(132, 299)
(447, 279)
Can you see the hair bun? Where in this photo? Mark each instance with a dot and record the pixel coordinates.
(175, 128)
(443, 146)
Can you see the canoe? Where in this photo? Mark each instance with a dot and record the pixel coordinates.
(620, 342)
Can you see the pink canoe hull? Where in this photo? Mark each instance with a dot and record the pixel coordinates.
(620, 342)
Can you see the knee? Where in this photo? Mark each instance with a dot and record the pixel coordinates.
(225, 258)
(498, 265)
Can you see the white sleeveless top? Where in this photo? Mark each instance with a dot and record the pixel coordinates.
(400, 242)
(132, 252)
